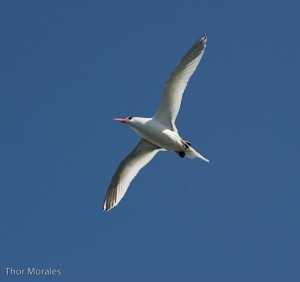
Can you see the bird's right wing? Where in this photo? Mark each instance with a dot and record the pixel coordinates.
(176, 84)
(127, 170)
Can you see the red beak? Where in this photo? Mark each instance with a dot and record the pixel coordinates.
(121, 119)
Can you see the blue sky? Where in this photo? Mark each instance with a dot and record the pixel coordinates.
(68, 67)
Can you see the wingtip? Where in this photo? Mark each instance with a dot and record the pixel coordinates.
(106, 208)
(108, 205)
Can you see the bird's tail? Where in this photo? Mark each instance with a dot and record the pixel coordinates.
(191, 153)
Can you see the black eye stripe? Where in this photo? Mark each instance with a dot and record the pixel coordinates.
(129, 118)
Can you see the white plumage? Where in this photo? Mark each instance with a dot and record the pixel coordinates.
(157, 133)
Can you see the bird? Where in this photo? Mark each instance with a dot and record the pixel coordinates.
(158, 133)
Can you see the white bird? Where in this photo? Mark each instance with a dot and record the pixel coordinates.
(159, 132)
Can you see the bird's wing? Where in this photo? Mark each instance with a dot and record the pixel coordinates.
(127, 170)
(177, 82)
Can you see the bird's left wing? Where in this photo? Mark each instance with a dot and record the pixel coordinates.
(127, 170)
(177, 82)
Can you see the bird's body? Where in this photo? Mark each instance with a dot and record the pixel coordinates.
(157, 133)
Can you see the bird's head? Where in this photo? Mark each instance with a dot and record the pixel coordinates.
(124, 120)
(136, 123)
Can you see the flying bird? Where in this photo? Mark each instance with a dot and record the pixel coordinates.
(158, 133)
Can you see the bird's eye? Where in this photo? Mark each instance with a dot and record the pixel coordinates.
(129, 118)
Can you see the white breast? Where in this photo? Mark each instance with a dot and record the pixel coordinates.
(157, 133)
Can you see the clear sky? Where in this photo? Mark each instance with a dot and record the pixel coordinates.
(68, 67)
